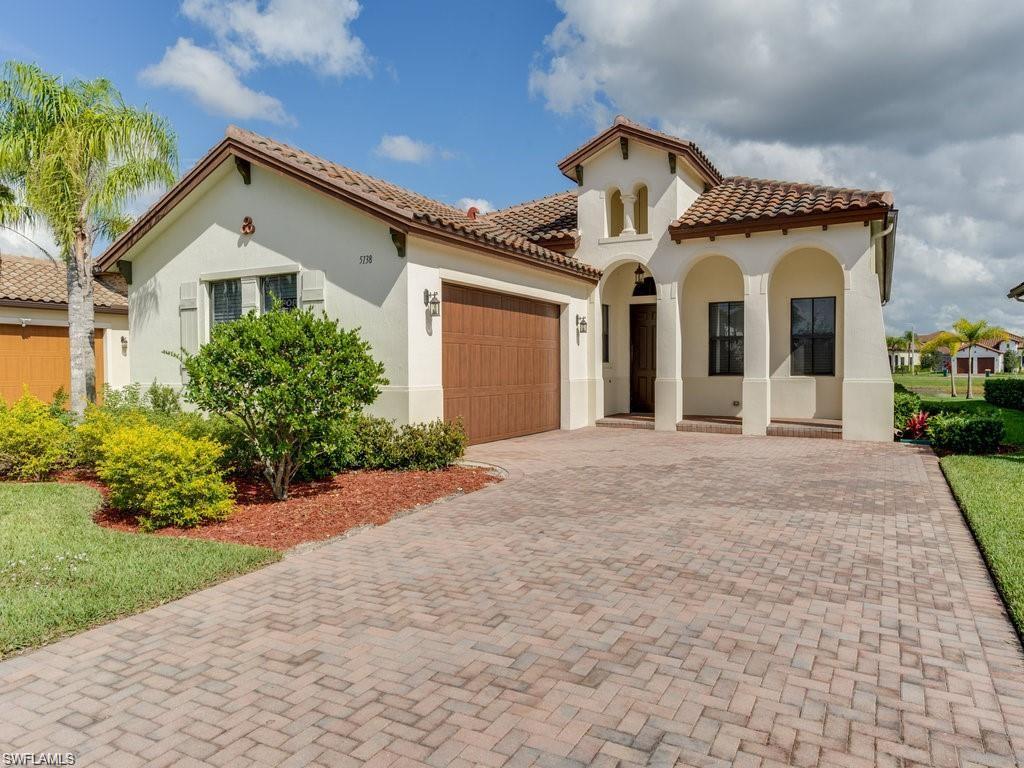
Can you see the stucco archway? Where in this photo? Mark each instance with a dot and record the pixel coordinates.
(711, 390)
(624, 304)
(800, 389)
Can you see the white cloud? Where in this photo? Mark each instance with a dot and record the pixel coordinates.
(29, 240)
(250, 35)
(314, 33)
(482, 205)
(213, 82)
(925, 104)
(405, 149)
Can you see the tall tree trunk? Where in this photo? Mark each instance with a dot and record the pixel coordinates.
(952, 376)
(81, 324)
(970, 371)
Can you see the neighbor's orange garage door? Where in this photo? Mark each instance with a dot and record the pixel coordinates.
(500, 363)
(39, 356)
(984, 364)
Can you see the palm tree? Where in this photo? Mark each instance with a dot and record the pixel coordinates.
(952, 344)
(72, 156)
(893, 344)
(966, 334)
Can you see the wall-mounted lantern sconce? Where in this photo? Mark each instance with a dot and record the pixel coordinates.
(431, 301)
(581, 324)
(124, 345)
(638, 275)
(248, 227)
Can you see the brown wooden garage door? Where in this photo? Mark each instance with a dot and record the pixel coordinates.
(984, 364)
(39, 356)
(500, 363)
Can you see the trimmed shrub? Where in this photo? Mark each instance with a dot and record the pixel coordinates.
(380, 444)
(963, 433)
(164, 477)
(291, 381)
(33, 441)
(1007, 393)
(905, 405)
(97, 425)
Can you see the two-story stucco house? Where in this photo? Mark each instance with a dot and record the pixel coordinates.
(652, 285)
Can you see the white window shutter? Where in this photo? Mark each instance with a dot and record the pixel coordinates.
(311, 291)
(250, 295)
(188, 319)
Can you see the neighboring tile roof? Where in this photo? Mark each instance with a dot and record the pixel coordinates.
(739, 200)
(548, 218)
(41, 281)
(624, 127)
(403, 208)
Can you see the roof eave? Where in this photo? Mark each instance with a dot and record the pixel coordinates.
(680, 232)
(1016, 293)
(59, 305)
(704, 169)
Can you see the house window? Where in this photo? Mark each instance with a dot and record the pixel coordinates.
(615, 216)
(725, 335)
(225, 301)
(281, 288)
(604, 333)
(813, 336)
(640, 210)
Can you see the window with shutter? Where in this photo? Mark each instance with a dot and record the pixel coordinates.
(281, 288)
(225, 301)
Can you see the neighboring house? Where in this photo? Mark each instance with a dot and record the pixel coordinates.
(653, 285)
(902, 358)
(987, 357)
(34, 345)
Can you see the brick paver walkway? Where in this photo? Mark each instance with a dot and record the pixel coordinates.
(626, 597)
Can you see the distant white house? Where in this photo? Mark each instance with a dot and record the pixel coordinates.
(988, 357)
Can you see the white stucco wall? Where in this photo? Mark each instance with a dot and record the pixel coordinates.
(298, 229)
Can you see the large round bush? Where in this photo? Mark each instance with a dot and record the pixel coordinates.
(291, 381)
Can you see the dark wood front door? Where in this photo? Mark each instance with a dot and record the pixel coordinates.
(643, 348)
(500, 363)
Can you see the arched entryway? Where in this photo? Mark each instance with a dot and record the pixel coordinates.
(629, 339)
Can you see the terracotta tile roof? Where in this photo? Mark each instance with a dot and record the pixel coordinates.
(624, 127)
(739, 200)
(405, 210)
(545, 219)
(43, 282)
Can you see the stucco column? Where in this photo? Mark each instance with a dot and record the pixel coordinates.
(595, 378)
(628, 226)
(756, 378)
(668, 384)
(867, 382)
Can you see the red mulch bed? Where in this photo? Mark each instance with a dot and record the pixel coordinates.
(318, 510)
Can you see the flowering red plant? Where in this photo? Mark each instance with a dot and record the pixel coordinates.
(916, 426)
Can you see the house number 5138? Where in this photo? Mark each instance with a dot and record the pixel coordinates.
(366, 258)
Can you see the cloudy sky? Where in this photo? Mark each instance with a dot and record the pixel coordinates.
(474, 103)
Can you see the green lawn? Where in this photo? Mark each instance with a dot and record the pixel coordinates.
(935, 384)
(990, 490)
(60, 573)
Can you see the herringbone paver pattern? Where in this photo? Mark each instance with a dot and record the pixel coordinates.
(625, 598)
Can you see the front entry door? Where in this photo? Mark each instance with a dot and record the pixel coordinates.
(643, 348)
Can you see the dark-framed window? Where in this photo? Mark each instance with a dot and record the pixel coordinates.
(725, 338)
(225, 301)
(282, 288)
(812, 325)
(604, 334)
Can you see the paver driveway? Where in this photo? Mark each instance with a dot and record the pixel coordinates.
(626, 596)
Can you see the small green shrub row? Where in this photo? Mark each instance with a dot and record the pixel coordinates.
(1006, 393)
(905, 405)
(965, 433)
(381, 444)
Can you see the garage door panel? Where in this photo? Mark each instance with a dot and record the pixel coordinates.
(500, 356)
(39, 357)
